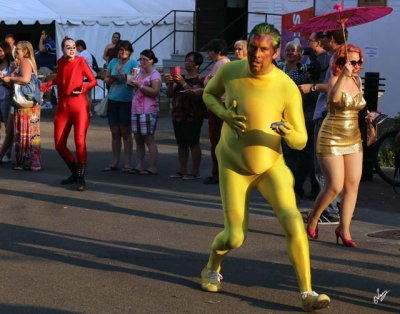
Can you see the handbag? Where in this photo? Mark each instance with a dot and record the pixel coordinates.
(27, 95)
(372, 135)
(102, 107)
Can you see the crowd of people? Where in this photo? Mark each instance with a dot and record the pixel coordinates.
(309, 127)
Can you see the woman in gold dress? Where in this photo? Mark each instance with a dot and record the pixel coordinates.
(339, 146)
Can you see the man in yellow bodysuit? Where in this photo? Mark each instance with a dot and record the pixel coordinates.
(250, 156)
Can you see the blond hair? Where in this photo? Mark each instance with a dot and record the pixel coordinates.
(27, 46)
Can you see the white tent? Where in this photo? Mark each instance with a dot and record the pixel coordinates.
(95, 21)
(13, 12)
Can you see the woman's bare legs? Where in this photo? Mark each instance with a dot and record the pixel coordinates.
(128, 145)
(196, 158)
(183, 155)
(115, 144)
(352, 177)
(140, 151)
(153, 152)
(333, 170)
(8, 139)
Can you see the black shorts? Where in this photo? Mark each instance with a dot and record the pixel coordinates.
(119, 112)
(187, 132)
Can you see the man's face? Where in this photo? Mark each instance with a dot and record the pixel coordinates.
(326, 42)
(115, 38)
(313, 43)
(10, 41)
(260, 54)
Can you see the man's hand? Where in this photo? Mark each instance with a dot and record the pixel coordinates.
(305, 88)
(284, 129)
(235, 121)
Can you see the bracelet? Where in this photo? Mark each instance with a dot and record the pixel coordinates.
(141, 86)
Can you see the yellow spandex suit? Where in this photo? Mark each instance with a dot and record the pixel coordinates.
(255, 160)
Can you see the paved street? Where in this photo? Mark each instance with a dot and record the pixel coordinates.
(137, 244)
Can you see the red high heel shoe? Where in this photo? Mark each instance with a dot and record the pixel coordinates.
(312, 233)
(346, 242)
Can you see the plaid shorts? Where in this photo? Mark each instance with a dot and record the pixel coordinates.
(144, 124)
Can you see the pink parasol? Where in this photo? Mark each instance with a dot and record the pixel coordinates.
(341, 18)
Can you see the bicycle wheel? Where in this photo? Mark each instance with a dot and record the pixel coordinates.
(387, 158)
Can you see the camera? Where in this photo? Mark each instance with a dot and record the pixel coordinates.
(310, 53)
(313, 68)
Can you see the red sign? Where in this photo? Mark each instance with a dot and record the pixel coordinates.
(291, 19)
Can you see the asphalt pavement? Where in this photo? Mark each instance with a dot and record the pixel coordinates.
(137, 244)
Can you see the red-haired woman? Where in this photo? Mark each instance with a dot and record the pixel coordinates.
(339, 147)
(72, 109)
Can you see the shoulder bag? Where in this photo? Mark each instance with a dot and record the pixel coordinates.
(25, 96)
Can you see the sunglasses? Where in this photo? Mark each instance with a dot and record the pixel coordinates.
(354, 63)
(342, 61)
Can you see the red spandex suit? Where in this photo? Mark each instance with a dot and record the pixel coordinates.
(72, 110)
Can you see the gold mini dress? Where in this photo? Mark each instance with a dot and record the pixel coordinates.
(339, 133)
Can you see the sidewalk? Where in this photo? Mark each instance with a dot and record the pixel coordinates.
(137, 244)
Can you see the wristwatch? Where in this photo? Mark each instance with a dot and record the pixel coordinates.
(314, 87)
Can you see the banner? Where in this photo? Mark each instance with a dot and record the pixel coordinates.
(291, 19)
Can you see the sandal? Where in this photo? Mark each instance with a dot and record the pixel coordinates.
(147, 173)
(126, 169)
(134, 171)
(111, 168)
(191, 176)
(176, 175)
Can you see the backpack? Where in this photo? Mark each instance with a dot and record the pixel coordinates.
(95, 65)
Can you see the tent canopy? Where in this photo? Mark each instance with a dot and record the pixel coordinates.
(95, 21)
(13, 12)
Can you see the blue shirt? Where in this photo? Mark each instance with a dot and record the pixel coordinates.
(322, 101)
(118, 90)
(4, 90)
(48, 58)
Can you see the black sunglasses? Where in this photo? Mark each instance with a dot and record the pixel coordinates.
(354, 63)
(342, 61)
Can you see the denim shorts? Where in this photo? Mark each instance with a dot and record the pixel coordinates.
(119, 112)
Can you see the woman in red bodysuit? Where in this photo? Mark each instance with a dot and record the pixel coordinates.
(72, 110)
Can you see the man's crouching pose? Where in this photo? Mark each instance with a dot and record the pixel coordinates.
(249, 154)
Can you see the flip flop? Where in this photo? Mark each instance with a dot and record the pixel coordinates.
(126, 169)
(110, 168)
(147, 173)
(176, 175)
(134, 171)
(191, 176)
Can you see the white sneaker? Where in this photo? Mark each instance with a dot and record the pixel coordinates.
(6, 159)
(210, 280)
(314, 301)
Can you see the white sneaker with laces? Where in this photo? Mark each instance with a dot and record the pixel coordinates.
(210, 280)
(314, 301)
(6, 159)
